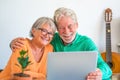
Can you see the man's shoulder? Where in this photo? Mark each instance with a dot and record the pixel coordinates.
(82, 37)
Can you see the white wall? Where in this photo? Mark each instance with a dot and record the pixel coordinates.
(17, 17)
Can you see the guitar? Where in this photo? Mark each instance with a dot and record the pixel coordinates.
(111, 58)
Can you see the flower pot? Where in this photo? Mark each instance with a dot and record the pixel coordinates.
(21, 76)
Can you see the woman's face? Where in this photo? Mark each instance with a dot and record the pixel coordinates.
(43, 35)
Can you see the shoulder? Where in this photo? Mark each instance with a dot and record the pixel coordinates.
(49, 47)
(82, 38)
(86, 41)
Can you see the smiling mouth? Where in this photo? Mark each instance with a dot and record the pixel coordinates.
(45, 39)
(67, 36)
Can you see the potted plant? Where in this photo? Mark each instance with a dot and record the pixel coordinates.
(23, 61)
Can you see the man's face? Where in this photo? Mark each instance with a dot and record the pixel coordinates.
(67, 29)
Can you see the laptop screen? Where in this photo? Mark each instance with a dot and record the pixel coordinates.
(70, 65)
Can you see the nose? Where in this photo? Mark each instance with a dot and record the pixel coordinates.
(66, 30)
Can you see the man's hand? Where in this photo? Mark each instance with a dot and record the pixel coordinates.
(17, 43)
(97, 75)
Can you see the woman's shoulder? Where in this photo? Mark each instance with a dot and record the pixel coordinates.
(49, 47)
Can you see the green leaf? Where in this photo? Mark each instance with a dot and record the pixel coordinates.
(23, 60)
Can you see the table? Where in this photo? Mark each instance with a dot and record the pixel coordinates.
(116, 76)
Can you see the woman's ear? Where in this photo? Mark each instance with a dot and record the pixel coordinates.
(33, 31)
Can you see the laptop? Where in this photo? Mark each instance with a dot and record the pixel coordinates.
(70, 65)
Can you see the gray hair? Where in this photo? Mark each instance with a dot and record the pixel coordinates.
(61, 12)
(41, 21)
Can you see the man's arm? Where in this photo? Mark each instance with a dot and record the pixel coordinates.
(104, 69)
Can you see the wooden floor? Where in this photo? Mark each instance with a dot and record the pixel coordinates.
(116, 76)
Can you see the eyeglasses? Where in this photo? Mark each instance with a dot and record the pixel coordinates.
(44, 32)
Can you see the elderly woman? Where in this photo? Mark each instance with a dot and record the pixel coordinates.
(38, 47)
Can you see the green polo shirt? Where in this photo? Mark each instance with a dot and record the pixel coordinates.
(82, 43)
